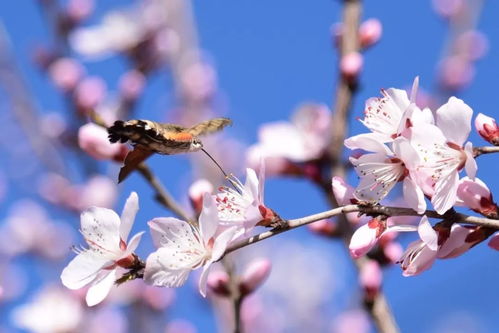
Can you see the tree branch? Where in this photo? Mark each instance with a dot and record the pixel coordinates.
(477, 151)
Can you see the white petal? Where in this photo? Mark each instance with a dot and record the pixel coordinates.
(157, 274)
(133, 244)
(400, 228)
(203, 278)
(98, 291)
(470, 164)
(221, 243)
(167, 230)
(261, 181)
(208, 220)
(413, 195)
(399, 97)
(406, 152)
(445, 195)
(427, 234)
(128, 215)
(414, 90)
(456, 239)
(83, 269)
(454, 119)
(101, 229)
(372, 142)
(251, 184)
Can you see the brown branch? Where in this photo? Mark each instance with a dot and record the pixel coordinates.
(477, 151)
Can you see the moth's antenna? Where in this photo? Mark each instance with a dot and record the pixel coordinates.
(214, 161)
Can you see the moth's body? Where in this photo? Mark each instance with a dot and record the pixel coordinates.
(150, 137)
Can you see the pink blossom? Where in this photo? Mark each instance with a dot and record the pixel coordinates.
(93, 140)
(98, 191)
(199, 82)
(254, 275)
(132, 84)
(476, 195)
(456, 72)
(89, 93)
(370, 278)
(473, 44)
(344, 194)
(197, 191)
(218, 283)
(448, 8)
(79, 10)
(487, 128)
(323, 227)
(351, 65)
(370, 32)
(183, 248)
(65, 72)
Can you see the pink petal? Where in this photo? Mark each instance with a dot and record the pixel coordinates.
(208, 220)
(362, 241)
(427, 234)
(470, 164)
(445, 192)
(414, 196)
(252, 183)
(454, 119)
(456, 240)
(203, 278)
(221, 242)
(128, 215)
(372, 142)
(97, 292)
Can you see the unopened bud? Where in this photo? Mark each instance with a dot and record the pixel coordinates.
(494, 242)
(93, 140)
(370, 279)
(370, 32)
(351, 65)
(218, 283)
(487, 128)
(89, 93)
(476, 195)
(197, 191)
(65, 73)
(254, 275)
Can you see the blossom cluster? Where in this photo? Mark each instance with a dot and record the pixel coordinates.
(182, 246)
(426, 152)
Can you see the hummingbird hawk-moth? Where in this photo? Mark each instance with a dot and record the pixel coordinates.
(149, 137)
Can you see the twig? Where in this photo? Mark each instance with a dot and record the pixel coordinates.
(477, 151)
(368, 210)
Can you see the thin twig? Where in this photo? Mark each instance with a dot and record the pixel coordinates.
(477, 151)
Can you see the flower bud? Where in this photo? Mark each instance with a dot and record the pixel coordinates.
(494, 242)
(89, 93)
(197, 191)
(370, 32)
(65, 72)
(254, 275)
(218, 283)
(364, 239)
(350, 65)
(323, 227)
(370, 279)
(476, 195)
(93, 140)
(487, 128)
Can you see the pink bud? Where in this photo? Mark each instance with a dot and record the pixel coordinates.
(197, 191)
(89, 93)
(393, 251)
(476, 195)
(351, 65)
(218, 283)
(370, 32)
(65, 72)
(254, 275)
(132, 84)
(78, 10)
(323, 227)
(370, 279)
(364, 239)
(494, 241)
(344, 196)
(93, 140)
(487, 128)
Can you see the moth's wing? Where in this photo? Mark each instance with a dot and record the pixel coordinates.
(209, 126)
(133, 158)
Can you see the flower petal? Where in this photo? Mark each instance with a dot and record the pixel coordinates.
(169, 232)
(133, 243)
(413, 195)
(251, 184)
(427, 234)
(221, 243)
(98, 291)
(371, 142)
(445, 195)
(101, 229)
(158, 272)
(83, 269)
(208, 220)
(203, 278)
(470, 164)
(454, 119)
(128, 215)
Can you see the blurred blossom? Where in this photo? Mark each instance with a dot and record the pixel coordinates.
(28, 228)
(65, 73)
(78, 10)
(487, 128)
(51, 310)
(254, 275)
(197, 191)
(448, 8)
(456, 72)
(93, 140)
(3, 185)
(90, 92)
(132, 84)
(303, 139)
(180, 326)
(393, 251)
(100, 191)
(351, 321)
(324, 227)
(136, 291)
(52, 125)
(370, 279)
(473, 44)
(13, 280)
(103, 320)
(351, 65)
(343, 193)
(166, 43)
(198, 82)
(370, 32)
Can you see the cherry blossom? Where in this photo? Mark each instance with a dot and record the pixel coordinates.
(106, 235)
(183, 248)
(476, 195)
(487, 128)
(441, 153)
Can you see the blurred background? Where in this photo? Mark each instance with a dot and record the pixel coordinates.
(256, 62)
